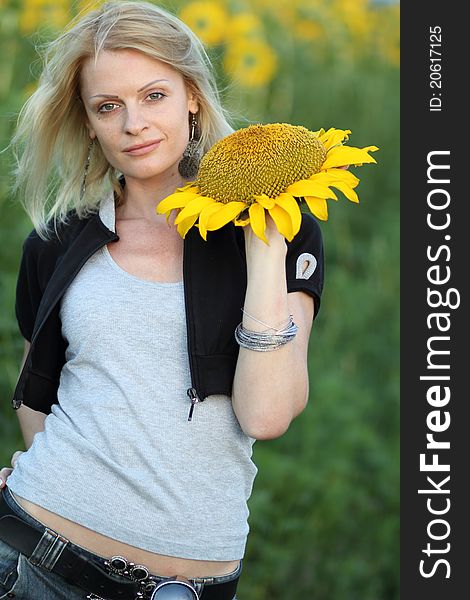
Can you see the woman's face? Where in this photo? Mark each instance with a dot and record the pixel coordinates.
(137, 107)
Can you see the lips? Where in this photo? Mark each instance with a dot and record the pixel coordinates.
(142, 148)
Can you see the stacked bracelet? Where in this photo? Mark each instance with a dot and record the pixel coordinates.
(265, 341)
(265, 324)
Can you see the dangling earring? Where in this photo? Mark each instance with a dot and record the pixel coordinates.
(87, 167)
(189, 164)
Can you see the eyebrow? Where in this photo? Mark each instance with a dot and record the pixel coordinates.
(140, 90)
(151, 83)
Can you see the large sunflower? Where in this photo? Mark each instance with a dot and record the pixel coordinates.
(267, 168)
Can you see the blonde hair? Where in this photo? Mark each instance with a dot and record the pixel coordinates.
(51, 139)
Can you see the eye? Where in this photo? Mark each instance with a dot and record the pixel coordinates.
(156, 96)
(106, 108)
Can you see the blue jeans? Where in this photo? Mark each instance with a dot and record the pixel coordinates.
(23, 580)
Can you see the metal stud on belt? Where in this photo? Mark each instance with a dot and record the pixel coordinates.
(173, 588)
(120, 566)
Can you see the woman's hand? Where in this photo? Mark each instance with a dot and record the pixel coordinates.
(6, 471)
(255, 247)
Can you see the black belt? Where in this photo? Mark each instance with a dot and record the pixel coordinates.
(77, 569)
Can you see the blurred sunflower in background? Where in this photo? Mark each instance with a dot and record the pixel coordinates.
(267, 168)
(251, 62)
(207, 19)
(244, 25)
(51, 13)
(248, 57)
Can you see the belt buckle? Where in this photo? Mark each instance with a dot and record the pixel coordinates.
(184, 589)
(150, 588)
(121, 566)
(118, 565)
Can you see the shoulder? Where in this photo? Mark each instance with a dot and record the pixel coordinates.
(58, 239)
(305, 260)
(309, 236)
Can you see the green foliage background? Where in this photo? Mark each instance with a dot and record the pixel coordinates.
(324, 511)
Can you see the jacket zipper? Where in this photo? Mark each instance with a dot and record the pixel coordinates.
(194, 400)
(192, 391)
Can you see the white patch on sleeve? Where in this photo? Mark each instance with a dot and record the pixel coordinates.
(305, 266)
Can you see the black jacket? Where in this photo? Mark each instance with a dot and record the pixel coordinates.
(214, 275)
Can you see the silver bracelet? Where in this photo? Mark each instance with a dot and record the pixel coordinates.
(265, 324)
(262, 341)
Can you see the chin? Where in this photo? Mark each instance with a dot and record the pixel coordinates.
(145, 172)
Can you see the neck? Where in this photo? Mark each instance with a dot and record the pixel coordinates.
(142, 196)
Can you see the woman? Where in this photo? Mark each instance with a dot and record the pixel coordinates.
(138, 407)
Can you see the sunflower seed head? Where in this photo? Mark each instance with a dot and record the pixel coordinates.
(260, 159)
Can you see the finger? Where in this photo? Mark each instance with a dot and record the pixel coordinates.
(4, 474)
(15, 457)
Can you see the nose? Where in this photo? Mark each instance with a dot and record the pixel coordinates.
(135, 121)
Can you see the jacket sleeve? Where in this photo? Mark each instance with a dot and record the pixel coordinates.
(305, 261)
(28, 289)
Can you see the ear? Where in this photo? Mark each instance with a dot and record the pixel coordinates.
(86, 121)
(193, 104)
(91, 131)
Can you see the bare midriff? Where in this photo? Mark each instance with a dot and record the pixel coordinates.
(157, 564)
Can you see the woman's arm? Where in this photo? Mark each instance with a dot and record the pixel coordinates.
(31, 421)
(271, 388)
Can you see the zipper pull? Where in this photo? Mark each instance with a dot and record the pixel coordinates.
(194, 400)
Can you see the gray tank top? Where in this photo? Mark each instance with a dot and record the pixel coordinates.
(118, 454)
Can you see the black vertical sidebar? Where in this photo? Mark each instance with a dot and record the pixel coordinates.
(435, 331)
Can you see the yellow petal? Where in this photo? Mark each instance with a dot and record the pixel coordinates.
(348, 155)
(187, 186)
(242, 222)
(290, 205)
(330, 175)
(185, 226)
(324, 135)
(193, 207)
(318, 207)
(176, 200)
(283, 222)
(309, 187)
(333, 137)
(370, 148)
(258, 221)
(226, 214)
(205, 215)
(347, 190)
(265, 201)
